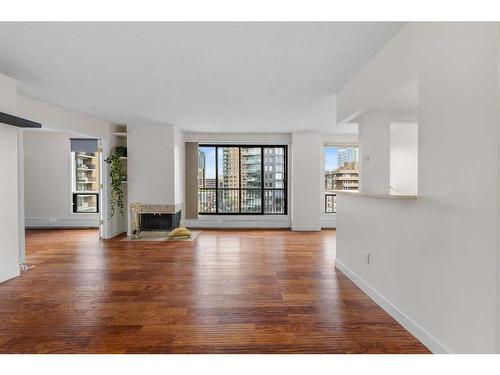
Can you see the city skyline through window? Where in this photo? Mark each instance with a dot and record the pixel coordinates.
(341, 173)
(241, 179)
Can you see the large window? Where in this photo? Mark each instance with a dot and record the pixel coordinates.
(341, 173)
(242, 179)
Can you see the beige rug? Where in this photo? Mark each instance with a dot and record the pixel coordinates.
(195, 234)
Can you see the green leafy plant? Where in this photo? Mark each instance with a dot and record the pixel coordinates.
(117, 175)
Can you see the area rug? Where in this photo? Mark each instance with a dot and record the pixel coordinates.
(195, 234)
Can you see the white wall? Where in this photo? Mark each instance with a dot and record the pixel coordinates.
(8, 95)
(404, 158)
(9, 184)
(155, 164)
(61, 119)
(9, 219)
(118, 223)
(433, 262)
(498, 195)
(306, 180)
(374, 152)
(151, 164)
(47, 179)
(275, 221)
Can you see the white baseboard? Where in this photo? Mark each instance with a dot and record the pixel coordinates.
(9, 273)
(409, 324)
(115, 233)
(306, 228)
(328, 223)
(77, 221)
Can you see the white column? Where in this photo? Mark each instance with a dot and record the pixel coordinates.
(306, 181)
(9, 184)
(20, 162)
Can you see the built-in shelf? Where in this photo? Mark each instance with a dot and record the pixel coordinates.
(120, 134)
(86, 169)
(376, 195)
(124, 182)
(123, 157)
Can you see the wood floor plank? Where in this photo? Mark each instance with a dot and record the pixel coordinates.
(229, 291)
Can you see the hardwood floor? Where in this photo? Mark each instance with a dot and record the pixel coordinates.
(251, 291)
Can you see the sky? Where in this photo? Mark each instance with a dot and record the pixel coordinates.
(331, 162)
(209, 161)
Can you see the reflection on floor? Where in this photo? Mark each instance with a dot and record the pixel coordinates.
(229, 291)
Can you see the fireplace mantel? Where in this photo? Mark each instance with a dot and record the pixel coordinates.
(158, 209)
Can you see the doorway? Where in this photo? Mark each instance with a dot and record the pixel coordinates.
(63, 174)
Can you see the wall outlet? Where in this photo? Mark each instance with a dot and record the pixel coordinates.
(366, 258)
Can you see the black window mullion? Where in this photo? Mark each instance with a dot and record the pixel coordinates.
(216, 180)
(285, 179)
(262, 180)
(239, 180)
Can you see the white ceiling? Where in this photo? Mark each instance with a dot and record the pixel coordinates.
(216, 77)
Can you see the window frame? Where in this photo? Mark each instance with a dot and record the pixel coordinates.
(262, 189)
(331, 193)
(75, 193)
(75, 205)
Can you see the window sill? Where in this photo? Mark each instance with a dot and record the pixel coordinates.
(400, 196)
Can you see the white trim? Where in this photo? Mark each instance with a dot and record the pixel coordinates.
(9, 273)
(329, 221)
(239, 221)
(306, 228)
(409, 324)
(61, 222)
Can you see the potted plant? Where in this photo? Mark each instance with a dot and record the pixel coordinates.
(117, 176)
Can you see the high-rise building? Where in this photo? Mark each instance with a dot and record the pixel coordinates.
(251, 179)
(230, 168)
(345, 177)
(209, 183)
(347, 155)
(274, 178)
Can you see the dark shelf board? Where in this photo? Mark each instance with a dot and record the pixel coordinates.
(5, 118)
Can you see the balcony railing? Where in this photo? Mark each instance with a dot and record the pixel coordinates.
(207, 201)
(274, 201)
(230, 199)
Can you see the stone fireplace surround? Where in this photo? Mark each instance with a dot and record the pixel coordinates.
(138, 208)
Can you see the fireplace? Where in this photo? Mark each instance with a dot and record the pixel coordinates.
(158, 222)
(154, 219)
